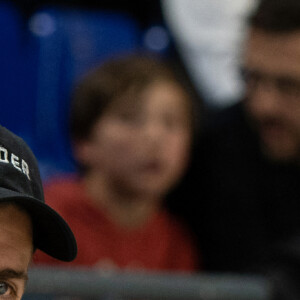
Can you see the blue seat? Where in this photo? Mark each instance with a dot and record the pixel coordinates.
(14, 109)
(64, 44)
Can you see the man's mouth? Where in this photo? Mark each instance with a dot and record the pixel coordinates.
(272, 130)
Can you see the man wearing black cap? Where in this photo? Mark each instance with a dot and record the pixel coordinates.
(26, 222)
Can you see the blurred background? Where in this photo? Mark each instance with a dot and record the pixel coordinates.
(46, 46)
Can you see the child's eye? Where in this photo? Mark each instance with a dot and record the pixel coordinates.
(130, 117)
(6, 290)
(175, 122)
(170, 122)
(126, 115)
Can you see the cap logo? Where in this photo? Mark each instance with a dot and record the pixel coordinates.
(20, 164)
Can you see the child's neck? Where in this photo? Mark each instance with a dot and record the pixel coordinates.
(128, 210)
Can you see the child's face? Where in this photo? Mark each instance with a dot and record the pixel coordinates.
(142, 145)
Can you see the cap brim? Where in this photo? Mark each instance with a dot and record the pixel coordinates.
(51, 233)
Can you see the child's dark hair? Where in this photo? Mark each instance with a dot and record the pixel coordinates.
(109, 82)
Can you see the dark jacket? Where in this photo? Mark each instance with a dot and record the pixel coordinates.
(241, 204)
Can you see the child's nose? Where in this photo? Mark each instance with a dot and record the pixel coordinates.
(154, 131)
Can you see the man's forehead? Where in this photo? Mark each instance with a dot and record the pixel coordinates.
(277, 39)
(15, 231)
(274, 50)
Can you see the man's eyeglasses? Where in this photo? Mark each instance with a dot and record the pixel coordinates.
(285, 85)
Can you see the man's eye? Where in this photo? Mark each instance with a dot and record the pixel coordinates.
(288, 86)
(5, 289)
(251, 77)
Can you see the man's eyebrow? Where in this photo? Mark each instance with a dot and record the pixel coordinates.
(10, 273)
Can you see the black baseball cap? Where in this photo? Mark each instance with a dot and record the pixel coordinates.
(21, 184)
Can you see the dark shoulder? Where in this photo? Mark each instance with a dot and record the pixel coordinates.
(228, 129)
(227, 119)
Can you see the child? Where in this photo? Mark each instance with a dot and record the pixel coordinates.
(131, 127)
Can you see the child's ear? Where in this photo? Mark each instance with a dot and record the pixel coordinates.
(83, 152)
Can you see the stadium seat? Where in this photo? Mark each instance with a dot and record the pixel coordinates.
(64, 44)
(13, 112)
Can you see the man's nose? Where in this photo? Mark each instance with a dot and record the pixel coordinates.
(265, 99)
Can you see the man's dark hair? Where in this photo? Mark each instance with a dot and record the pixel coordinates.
(278, 16)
